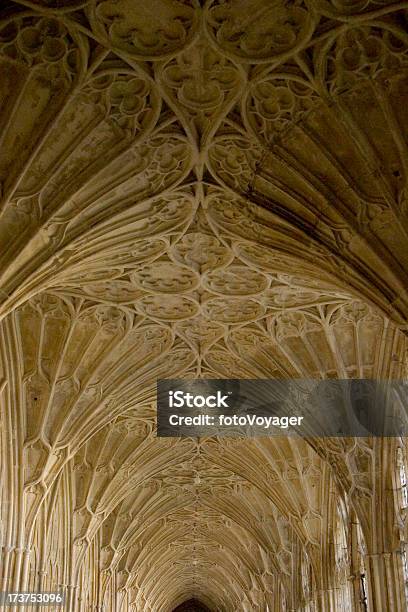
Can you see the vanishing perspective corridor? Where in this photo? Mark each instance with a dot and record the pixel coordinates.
(193, 189)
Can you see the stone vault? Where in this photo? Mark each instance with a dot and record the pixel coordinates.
(211, 189)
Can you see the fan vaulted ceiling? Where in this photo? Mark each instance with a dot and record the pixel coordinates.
(188, 189)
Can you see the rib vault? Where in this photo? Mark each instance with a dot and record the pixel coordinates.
(189, 189)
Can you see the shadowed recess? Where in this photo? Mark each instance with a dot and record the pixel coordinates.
(192, 605)
(199, 189)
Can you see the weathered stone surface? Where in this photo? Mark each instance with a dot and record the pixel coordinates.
(199, 188)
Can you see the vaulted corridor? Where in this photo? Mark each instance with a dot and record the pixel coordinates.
(217, 190)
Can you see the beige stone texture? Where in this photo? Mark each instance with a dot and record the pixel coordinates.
(189, 189)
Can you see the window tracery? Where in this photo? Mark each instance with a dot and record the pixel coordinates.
(198, 188)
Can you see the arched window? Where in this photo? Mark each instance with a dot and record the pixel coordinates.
(402, 497)
(341, 557)
(361, 547)
(402, 478)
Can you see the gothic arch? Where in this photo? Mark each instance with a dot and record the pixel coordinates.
(199, 189)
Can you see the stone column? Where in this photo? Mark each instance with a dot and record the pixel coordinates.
(325, 600)
(385, 583)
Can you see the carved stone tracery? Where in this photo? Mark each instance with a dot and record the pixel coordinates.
(209, 189)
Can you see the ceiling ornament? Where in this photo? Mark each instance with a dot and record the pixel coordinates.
(196, 189)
